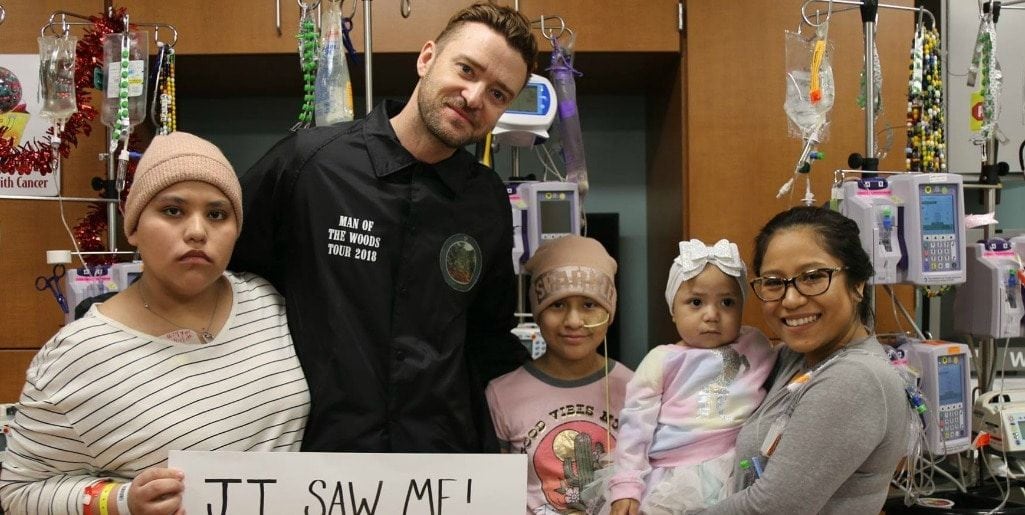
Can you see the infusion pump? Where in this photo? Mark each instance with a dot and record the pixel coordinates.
(541, 211)
(932, 241)
(911, 225)
(944, 376)
(1002, 415)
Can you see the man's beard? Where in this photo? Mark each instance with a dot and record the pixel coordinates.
(431, 111)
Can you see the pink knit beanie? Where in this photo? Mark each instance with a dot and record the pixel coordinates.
(571, 265)
(180, 157)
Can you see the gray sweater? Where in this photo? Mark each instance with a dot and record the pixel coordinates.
(842, 444)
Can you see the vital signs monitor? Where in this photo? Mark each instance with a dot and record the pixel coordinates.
(525, 123)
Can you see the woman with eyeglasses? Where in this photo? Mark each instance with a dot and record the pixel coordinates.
(836, 420)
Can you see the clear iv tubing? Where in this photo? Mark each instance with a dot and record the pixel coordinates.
(809, 145)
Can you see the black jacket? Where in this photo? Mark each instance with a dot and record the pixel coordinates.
(398, 281)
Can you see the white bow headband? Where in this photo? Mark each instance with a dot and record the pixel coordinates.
(694, 255)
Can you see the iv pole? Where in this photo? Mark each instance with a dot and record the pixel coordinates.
(521, 309)
(869, 163)
(368, 53)
(869, 13)
(989, 181)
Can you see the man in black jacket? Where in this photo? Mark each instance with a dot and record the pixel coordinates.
(391, 245)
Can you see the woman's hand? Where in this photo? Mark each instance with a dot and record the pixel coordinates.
(157, 491)
(620, 507)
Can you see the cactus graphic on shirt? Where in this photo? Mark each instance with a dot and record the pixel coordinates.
(579, 454)
(566, 460)
(713, 397)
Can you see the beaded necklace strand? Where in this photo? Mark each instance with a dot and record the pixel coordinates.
(168, 119)
(170, 92)
(926, 150)
(122, 125)
(308, 61)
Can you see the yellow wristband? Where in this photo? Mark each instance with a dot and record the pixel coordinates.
(105, 498)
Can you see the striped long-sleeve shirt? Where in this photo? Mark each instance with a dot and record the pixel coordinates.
(103, 400)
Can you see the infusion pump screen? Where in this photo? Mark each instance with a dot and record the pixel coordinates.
(556, 216)
(940, 245)
(951, 379)
(526, 101)
(938, 215)
(953, 410)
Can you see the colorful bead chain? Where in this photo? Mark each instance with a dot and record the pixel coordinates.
(926, 150)
(172, 105)
(308, 59)
(168, 103)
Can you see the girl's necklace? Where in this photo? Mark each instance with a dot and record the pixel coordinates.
(204, 334)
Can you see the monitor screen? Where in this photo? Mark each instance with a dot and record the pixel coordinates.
(556, 215)
(526, 101)
(951, 379)
(939, 215)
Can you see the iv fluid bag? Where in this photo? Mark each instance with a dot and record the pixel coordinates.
(807, 117)
(333, 92)
(138, 59)
(57, 78)
(569, 120)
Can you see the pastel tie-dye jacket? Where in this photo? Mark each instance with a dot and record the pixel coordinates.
(686, 405)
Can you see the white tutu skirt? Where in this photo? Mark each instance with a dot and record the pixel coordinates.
(671, 490)
(675, 490)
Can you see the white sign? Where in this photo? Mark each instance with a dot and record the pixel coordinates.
(318, 483)
(24, 124)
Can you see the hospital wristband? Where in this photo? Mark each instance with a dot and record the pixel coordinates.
(91, 492)
(105, 498)
(122, 499)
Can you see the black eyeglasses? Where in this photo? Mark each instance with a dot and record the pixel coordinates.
(811, 283)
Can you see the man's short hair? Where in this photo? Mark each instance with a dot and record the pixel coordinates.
(508, 22)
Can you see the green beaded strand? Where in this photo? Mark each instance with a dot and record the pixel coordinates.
(308, 59)
(121, 124)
